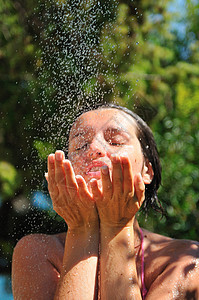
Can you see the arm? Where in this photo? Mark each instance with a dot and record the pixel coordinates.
(72, 200)
(117, 207)
(42, 268)
(118, 264)
(79, 270)
(38, 271)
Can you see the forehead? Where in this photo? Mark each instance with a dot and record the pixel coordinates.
(105, 118)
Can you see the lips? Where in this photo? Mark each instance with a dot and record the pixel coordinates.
(93, 170)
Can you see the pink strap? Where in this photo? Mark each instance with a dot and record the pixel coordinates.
(144, 290)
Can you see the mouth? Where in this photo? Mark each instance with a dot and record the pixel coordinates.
(94, 169)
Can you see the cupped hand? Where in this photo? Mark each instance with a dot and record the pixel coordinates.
(69, 193)
(121, 196)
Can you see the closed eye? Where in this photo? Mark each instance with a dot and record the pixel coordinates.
(85, 146)
(116, 143)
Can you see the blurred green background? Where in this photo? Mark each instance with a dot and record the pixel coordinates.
(146, 54)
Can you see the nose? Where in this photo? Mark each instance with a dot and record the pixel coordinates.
(96, 149)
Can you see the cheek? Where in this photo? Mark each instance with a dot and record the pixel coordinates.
(136, 158)
(137, 165)
(77, 162)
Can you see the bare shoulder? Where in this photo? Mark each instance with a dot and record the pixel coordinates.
(37, 245)
(174, 265)
(42, 238)
(174, 249)
(36, 265)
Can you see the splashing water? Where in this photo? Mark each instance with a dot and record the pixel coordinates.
(78, 66)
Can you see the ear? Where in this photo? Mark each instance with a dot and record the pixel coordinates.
(147, 172)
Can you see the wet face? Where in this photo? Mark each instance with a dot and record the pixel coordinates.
(97, 133)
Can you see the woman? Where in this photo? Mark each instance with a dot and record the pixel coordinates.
(113, 169)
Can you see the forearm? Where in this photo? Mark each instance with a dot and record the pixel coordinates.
(78, 278)
(118, 264)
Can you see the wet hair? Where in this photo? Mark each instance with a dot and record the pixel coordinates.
(150, 153)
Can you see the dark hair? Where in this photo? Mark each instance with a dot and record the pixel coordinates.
(150, 152)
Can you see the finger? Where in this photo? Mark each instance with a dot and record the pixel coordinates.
(128, 182)
(53, 190)
(117, 177)
(51, 167)
(97, 194)
(139, 188)
(59, 170)
(106, 182)
(71, 182)
(83, 191)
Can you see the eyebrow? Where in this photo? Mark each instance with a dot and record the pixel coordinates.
(81, 131)
(117, 130)
(76, 135)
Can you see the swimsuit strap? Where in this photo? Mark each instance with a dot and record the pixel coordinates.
(144, 290)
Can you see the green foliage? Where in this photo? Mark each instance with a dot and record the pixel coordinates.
(9, 180)
(178, 144)
(43, 148)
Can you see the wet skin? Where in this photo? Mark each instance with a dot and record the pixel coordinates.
(93, 144)
(102, 186)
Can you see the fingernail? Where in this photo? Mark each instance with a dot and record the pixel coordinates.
(125, 158)
(124, 154)
(92, 181)
(104, 169)
(51, 158)
(114, 158)
(66, 164)
(46, 174)
(59, 155)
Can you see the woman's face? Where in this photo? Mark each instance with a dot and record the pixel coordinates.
(97, 133)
